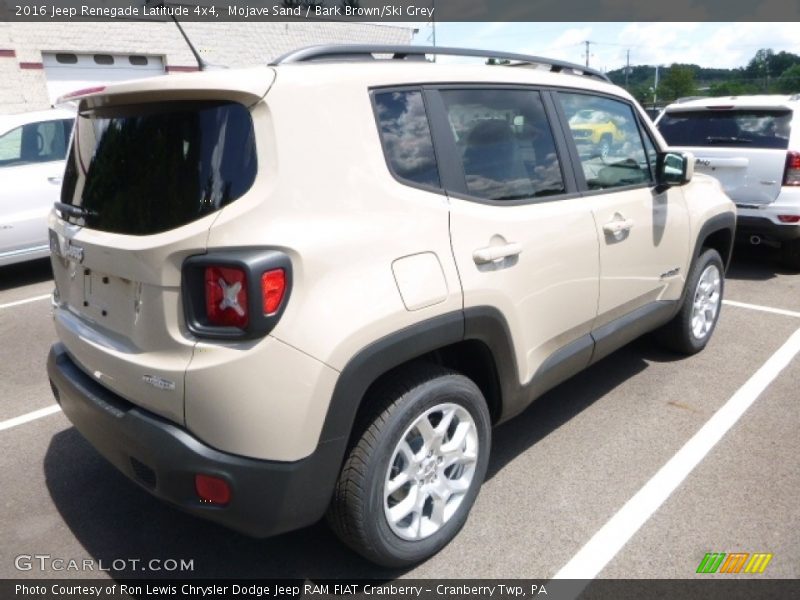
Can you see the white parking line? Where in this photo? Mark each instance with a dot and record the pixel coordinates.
(767, 309)
(18, 302)
(609, 540)
(31, 416)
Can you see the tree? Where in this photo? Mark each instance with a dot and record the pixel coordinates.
(789, 80)
(677, 82)
(765, 68)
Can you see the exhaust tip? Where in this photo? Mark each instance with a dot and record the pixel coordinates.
(755, 240)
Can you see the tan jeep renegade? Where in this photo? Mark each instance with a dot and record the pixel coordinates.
(313, 287)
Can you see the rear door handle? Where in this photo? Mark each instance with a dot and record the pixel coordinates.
(55, 180)
(618, 226)
(493, 253)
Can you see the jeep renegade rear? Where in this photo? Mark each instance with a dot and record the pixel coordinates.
(314, 287)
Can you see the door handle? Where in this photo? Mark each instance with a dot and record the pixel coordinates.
(618, 226)
(493, 253)
(55, 180)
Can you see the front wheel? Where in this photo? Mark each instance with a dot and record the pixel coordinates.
(409, 482)
(692, 327)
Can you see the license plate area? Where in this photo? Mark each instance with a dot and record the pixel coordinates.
(105, 299)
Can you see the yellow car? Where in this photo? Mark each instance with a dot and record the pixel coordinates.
(597, 128)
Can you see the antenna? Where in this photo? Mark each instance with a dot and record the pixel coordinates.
(201, 64)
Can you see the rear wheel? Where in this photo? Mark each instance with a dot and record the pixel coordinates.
(790, 254)
(411, 478)
(692, 327)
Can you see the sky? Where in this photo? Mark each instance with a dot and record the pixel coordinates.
(721, 45)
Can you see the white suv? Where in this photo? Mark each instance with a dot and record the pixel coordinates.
(313, 287)
(752, 145)
(32, 150)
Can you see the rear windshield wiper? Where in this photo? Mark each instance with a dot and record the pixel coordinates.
(76, 212)
(712, 139)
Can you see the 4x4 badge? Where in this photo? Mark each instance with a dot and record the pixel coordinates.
(159, 382)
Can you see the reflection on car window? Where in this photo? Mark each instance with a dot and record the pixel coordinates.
(35, 143)
(406, 136)
(505, 143)
(727, 128)
(607, 137)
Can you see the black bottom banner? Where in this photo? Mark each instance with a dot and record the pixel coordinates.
(425, 589)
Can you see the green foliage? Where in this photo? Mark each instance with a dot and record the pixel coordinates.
(767, 72)
(677, 83)
(789, 81)
(733, 88)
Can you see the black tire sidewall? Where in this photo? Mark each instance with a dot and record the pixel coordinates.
(708, 257)
(456, 389)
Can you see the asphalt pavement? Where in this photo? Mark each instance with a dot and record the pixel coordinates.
(558, 475)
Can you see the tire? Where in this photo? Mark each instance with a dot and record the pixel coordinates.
(360, 510)
(790, 254)
(692, 328)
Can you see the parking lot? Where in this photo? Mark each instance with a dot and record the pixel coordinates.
(558, 474)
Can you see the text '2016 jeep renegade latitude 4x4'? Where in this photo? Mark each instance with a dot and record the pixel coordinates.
(314, 287)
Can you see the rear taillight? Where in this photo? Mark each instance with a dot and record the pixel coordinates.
(236, 293)
(789, 218)
(273, 287)
(226, 297)
(791, 175)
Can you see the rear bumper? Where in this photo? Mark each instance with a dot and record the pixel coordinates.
(747, 226)
(268, 497)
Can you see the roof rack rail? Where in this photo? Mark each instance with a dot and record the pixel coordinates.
(334, 52)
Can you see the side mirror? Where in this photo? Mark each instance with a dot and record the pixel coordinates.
(674, 168)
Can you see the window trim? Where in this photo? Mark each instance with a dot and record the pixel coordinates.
(573, 147)
(454, 181)
(440, 189)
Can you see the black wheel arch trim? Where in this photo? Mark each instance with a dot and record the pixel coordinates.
(722, 222)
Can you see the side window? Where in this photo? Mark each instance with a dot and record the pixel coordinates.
(505, 143)
(10, 147)
(607, 137)
(406, 136)
(35, 143)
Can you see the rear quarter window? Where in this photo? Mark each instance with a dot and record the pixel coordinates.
(727, 128)
(406, 136)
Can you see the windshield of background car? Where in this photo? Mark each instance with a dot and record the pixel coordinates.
(147, 168)
(727, 128)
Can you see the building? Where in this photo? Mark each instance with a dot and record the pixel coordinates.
(41, 61)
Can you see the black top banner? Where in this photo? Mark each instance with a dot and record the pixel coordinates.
(378, 11)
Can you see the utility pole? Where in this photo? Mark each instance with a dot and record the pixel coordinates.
(433, 26)
(627, 66)
(587, 42)
(655, 88)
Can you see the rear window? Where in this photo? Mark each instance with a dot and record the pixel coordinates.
(728, 128)
(148, 168)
